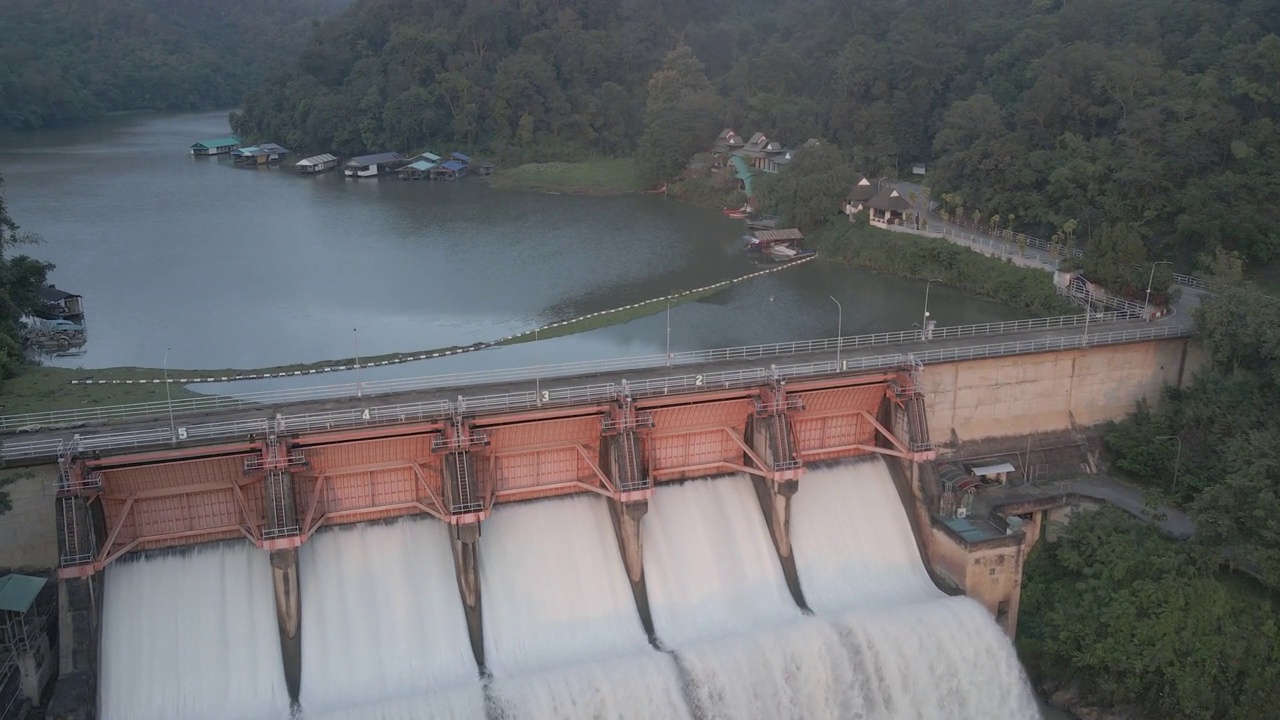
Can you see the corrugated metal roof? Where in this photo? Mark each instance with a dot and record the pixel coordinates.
(992, 469)
(460, 156)
(218, 142)
(18, 592)
(318, 159)
(375, 159)
(777, 235)
(272, 147)
(453, 165)
(422, 165)
(428, 155)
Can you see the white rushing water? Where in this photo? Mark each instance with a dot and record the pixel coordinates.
(192, 635)
(916, 653)
(562, 635)
(384, 633)
(709, 563)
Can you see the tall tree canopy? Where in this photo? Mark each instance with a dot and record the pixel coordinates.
(21, 279)
(1163, 114)
(68, 61)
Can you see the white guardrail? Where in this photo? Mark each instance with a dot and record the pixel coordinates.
(530, 399)
(54, 419)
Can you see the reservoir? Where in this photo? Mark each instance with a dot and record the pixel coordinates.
(225, 267)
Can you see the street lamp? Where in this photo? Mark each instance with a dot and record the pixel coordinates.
(537, 371)
(839, 329)
(668, 332)
(356, 333)
(924, 324)
(1146, 308)
(1177, 459)
(168, 399)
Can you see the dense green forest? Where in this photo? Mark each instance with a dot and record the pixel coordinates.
(68, 61)
(1157, 113)
(1135, 619)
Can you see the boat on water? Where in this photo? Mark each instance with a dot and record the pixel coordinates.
(787, 252)
(762, 240)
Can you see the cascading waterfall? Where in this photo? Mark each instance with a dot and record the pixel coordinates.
(720, 600)
(916, 652)
(562, 636)
(191, 635)
(384, 635)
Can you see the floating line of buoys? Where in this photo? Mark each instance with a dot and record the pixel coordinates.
(440, 353)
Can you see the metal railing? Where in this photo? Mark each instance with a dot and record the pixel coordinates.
(430, 410)
(524, 400)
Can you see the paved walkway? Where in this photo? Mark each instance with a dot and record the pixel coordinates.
(1104, 488)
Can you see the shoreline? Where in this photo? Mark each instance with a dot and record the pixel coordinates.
(40, 389)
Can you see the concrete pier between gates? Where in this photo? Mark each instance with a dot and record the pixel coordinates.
(284, 581)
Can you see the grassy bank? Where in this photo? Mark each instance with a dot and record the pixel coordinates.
(39, 389)
(590, 177)
(711, 191)
(925, 258)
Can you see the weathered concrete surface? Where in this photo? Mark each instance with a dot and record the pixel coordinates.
(465, 541)
(75, 697)
(284, 578)
(28, 532)
(1044, 392)
(627, 528)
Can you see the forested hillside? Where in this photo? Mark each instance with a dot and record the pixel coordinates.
(1157, 112)
(68, 61)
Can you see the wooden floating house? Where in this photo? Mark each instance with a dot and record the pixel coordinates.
(264, 154)
(60, 304)
(317, 164)
(373, 165)
(216, 146)
(421, 166)
(449, 170)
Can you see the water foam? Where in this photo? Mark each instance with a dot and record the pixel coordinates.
(562, 636)
(192, 635)
(920, 654)
(384, 634)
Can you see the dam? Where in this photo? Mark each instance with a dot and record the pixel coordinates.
(742, 544)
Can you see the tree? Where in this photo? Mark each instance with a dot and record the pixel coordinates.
(1139, 620)
(681, 117)
(1111, 255)
(810, 188)
(21, 279)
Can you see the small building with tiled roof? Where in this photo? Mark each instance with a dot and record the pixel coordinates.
(888, 207)
(216, 146)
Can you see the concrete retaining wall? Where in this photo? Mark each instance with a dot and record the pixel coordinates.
(1023, 394)
(28, 532)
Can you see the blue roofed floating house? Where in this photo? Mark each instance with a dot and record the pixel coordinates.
(374, 165)
(449, 170)
(216, 146)
(464, 159)
(418, 170)
(264, 154)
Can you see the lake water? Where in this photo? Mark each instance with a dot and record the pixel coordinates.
(230, 267)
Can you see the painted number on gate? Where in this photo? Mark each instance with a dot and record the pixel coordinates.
(546, 396)
(697, 380)
(182, 433)
(365, 415)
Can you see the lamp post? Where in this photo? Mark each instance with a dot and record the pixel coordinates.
(355, 332)
(668, 333)
(1146, 308)
(1177, 459)
(839, 329)
(168, 399)
(924, 324)
(537, 371)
